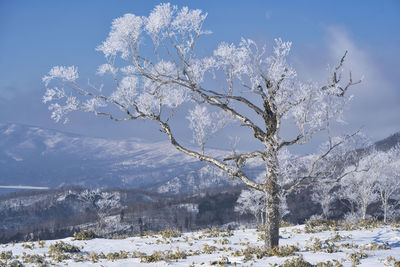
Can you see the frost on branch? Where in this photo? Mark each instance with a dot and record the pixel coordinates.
(69, 74)
(204, 124)
(59, 111)
(102, 69)
(159, 18)
(126, 92)
(124, 31)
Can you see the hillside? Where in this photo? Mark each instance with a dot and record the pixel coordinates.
(371, 245)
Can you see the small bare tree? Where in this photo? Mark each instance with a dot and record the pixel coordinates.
(387, 173)
(359, 188)
(324, 195)
(100, 202)
(252, 201)
(242, 85)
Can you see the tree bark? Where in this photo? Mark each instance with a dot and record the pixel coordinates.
(385, 206)
(262, 217)
(271, 228)
(363, 211)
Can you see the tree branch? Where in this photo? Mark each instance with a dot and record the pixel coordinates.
(314, 163)
(234, 172)
(246, 156)
(337, 78)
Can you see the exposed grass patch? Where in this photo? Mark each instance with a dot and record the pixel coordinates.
(62, 247)
(163, 256)
(85, 235)
(38, 260)
(169, 233)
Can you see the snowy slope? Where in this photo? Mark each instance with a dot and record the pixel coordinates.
(373, 247)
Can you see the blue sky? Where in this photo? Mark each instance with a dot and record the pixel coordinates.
(36, 35)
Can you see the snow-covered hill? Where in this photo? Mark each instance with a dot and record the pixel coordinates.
(40, 157)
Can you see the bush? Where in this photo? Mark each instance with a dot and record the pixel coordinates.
(259, 252)
(283, 251)
(320, 225)
(296, 262)
(35, 259)
(6, 255)
(215, 232)
(62, 247)
(117, 255)
(14, 263)
(170, 233)
(392, 261)
(85, 235)
(163, 256)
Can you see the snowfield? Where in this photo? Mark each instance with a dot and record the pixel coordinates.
(379, 246)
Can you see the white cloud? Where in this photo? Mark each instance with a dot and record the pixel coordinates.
(376, 103)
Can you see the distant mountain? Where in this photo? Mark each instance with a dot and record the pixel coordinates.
(388, 142)
(35, 156)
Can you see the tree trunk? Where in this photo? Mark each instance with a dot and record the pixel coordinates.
(262, 218)
(257, 220)
(363, 211)
(272, 217)
(385, 206)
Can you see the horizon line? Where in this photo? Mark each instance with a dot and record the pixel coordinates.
(23, 187)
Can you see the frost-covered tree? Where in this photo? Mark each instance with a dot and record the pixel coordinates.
(253, 201)
(338, 164)
(324, 195)
(100, 202)
(359, 188)
(387, 173)
(158, 73)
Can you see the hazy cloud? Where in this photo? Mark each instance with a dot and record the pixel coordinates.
(376, 103)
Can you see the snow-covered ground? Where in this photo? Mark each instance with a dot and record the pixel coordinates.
(370, 247)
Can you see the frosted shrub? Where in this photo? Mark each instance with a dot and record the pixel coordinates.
(351, 218)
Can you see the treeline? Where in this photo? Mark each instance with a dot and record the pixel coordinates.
(59, 213)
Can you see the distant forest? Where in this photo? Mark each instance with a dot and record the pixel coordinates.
(52, 214)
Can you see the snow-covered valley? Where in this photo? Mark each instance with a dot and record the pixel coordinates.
(301, 245)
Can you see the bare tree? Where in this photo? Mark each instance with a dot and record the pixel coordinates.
(387, 173)
(238, 85)
(252, 201)
(324, 195)
(100, 202)
(359, 188)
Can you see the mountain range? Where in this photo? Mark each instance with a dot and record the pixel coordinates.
(34, 156)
